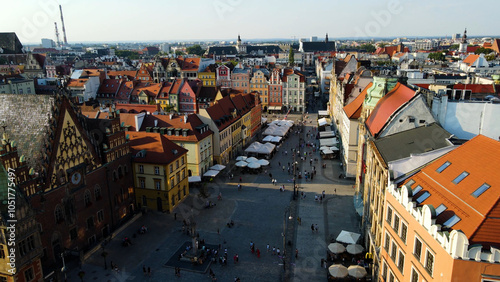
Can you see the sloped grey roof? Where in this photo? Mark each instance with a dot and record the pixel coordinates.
(27, 118)
(10, 43)
(414, 141)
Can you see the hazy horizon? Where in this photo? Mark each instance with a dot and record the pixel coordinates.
(115, 21)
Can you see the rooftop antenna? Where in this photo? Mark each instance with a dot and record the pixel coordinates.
(63, 29)
(57, 35)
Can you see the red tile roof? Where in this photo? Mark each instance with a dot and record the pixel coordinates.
(116, 74)
(176, 121)
(137, 108)
(159, 150)
(151, 89)
(164, 91)
(176, 86)
(480, 216)
(125, 90)
(477, 88)
(109, 86)
(287, 72)
(353, 109)
(77, 82)
(386, 106)
(191, 64)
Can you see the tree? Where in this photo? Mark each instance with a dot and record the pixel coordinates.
(437, 56)
(490, 57)
(368, 47)
(196, 50)
(454, 47)
(291, 59)
(483, 50)
(179, 53)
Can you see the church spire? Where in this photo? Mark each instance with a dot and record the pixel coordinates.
(326, 38)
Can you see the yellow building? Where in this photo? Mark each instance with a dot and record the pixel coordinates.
(160, 171)
(259, 83)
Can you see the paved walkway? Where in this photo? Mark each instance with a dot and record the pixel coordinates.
(260, 213)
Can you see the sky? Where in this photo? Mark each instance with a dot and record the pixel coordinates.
(167, 20)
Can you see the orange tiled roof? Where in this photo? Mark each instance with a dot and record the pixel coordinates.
(191, 64)
(151, 89)
(77, 82)
(477, 88)
(479, 216)
(92, 72)
(109, 86)
(386, 106)
(129, 74)
(159, 150)
(176, 121)
(470, 59)
(137, 108)
(353, 109)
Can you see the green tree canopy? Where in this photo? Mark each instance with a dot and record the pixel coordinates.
(437, 56)
(132, 55)
(368, 47)
(291, 59)
(483, 50)
(196, 50)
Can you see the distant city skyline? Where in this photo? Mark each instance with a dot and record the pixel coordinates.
(155, 20)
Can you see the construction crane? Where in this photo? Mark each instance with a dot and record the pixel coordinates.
(63, 29)
(57, 35)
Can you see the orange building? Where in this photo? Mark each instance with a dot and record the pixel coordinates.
(443, 224)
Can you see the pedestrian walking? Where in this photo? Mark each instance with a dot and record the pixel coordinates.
(296, 254)
(274, 251)
(312, 228)
(235, 258)
(240, 178)
(268, 249)
(278, 251)
(258, 253)
(143, 269)
(323, 194)
(335, 190)
(316, 228)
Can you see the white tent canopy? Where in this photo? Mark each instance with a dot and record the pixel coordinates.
(263, 162)
(241, 164)
(254, 147)
(218, 167)
(251, 159)
(348, 237)
(211, 173)
(329, 142)
(327, 151)
(241, 158)
(276, 139)
(193, 179)
(326, 134)
(322, 122)
(322, 113)
(267, 148)
(268, 138)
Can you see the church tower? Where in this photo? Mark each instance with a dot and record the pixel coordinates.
(463, 45)
(242, 48)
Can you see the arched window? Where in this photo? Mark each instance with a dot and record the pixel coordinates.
(58, 213)
(86, 198)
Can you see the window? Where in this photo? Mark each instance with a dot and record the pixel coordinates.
(452, 221)
(182, 160)
(73, 234)
(384, 271)
(417, 250)
(481, 190)
(429, 262)
(440, 209)
(401, 261)
(29, 275)
(414, 275)
(460, 177)
(404, 231)
(171, 168)
(58, 214)
(97, 192)
(389, 215)
(176, 164)
(443, 167)
(90, 222)
(396, 224)
(100, 216)
(157, 170)
(142, 182)
(417, 189)
(157, 184)
(423, 197)
(391, 277)
(394, 251)
(172, 184)
(387, 242)
(87, 198)
(141, 169)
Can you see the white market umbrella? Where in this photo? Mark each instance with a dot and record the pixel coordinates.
(241, 158)
(338, 271)
(254, 165)
(218, 167)
(324, 148)
(357, 271)
(211, 173)
(263, 162)
(241, 164)
(334, 148)
(348, 237)
(327, 151)
(336, 248)
(355, 249)
(193, 179)
(251, 160)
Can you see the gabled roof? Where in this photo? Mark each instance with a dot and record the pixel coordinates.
(109, 86)
(221, 112)
(479, 215)
(165, 89)
(353, 109)
(176, 86)
(129, 74)
(414, 141)
(151, 89)
(207, 93)
(159, 150)
(287, 72)
(137, 108)
(191, 64)
(176, 121)
(10, 43)
(387, 106)
(77, 82)
(125, 90)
